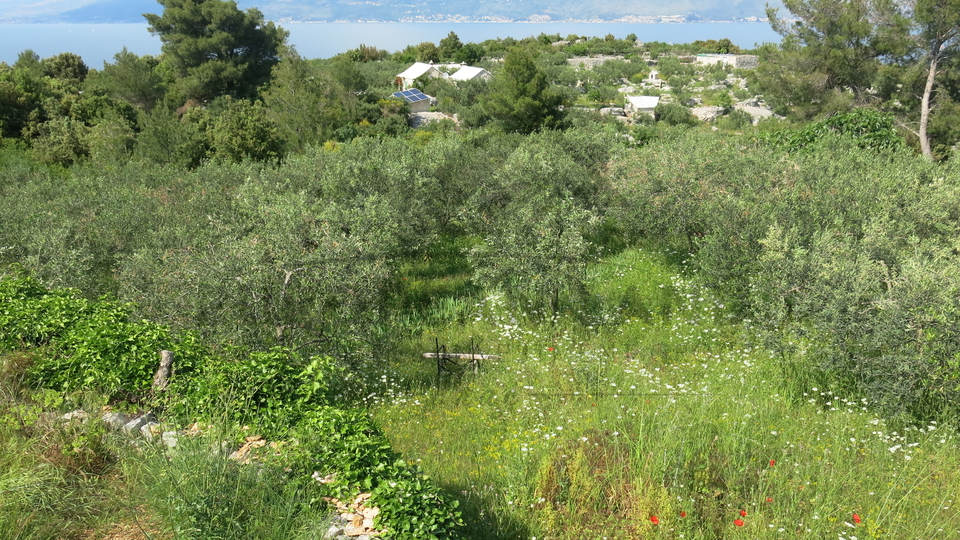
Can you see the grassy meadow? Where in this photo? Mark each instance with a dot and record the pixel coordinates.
(657, 415)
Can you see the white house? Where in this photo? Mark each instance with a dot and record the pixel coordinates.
(469, 73)
(641, 105)
(418, 70)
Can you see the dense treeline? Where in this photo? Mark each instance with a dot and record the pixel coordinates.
(845, 255)
(844, 251)
(308, 252)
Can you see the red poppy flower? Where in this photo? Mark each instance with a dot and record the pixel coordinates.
(769, 499)
(743, 513)
(856, 518)
(683, 514)
(773, 462)
(738, 522)
(550, 348)
(654, 520)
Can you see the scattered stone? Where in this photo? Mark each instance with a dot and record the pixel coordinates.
(132, 426)
(150, 430)
(356, 518)
(613, 111)
(421, 119)
(757, 112)
(707, 114)
(79, 415)
(115, 420)
(170, 438)
(333, 532)
(353, 530)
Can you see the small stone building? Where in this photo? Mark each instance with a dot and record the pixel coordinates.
(641, 105)
(744, 61)
(417, 100)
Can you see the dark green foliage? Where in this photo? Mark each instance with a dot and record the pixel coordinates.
(132, 78)
(723, 46)
(830, 56)
(22, 93)
(67, 68)
(60, 142)
(365, 53)
(428, 52)
(870, 128)
(165, 139)
(449, 47)
(520, 99)
(674, 114)
(349, 447)
(307, 102)
(240, 131)
(214, 49)
(469, 54)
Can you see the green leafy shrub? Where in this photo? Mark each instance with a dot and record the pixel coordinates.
(868, 127)
(349, 447)
(674, 114)
(89, 345)
(269, 389)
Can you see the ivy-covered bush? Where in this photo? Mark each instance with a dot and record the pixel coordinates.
(348, 448)
(88, 344)
(270, 390)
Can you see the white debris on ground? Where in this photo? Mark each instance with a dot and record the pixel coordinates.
(421, 119)
(708, 113)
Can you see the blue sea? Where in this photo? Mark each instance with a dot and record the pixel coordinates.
(97, 43)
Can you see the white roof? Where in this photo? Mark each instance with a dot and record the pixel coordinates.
(467, 73)
(416, 70)
(644, 102)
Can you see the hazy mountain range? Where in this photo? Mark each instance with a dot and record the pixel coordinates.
(130, 11)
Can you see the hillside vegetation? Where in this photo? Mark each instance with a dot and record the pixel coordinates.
(742, 332)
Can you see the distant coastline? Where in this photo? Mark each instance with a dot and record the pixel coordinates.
(544, 19)
(98, 43)
(445, 19)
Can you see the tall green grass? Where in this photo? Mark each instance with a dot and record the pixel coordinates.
(654, 415)
(53, 473)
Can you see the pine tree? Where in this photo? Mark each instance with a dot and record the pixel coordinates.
(215, 49)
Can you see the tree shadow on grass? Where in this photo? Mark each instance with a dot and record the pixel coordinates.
(478, 506)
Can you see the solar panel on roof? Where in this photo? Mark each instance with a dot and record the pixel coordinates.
(412, 95)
